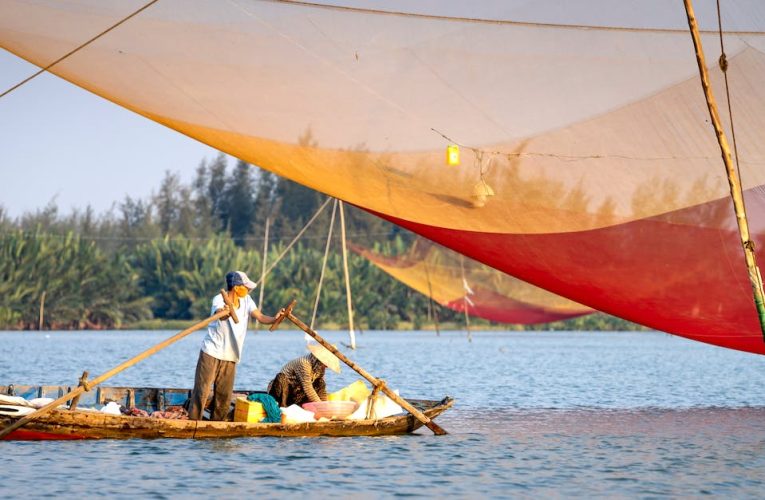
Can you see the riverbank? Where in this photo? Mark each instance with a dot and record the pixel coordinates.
(594, 323)
(591, 323)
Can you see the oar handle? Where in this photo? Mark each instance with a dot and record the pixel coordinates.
(231, 308)
(374, 381)
(127, 364)
(282, 314)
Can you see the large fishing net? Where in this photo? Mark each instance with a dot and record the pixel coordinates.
(464, 285)
(588, 166)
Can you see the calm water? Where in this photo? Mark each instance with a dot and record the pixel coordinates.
(565, 414)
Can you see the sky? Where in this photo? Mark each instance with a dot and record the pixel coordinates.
(61, 143)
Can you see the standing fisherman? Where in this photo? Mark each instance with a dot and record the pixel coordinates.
(222, 348)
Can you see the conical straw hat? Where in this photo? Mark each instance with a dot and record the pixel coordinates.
(326, 357)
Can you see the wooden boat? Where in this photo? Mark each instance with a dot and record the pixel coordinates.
(84, 424)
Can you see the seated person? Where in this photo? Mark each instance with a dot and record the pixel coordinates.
(302, 379)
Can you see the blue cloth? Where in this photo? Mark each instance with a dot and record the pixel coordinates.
(273, 413)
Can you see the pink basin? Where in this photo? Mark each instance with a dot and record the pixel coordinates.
(331, 409)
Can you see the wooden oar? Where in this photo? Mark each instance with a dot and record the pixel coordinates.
(127, 364)
(376, 382)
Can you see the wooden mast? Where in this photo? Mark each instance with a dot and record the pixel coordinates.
(263, 268)
(351, 332)
(41, 322)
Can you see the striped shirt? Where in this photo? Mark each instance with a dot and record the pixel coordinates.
(306, 374)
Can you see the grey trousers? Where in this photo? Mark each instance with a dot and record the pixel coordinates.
(218, 373)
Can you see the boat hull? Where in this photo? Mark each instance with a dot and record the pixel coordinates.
(63, 424)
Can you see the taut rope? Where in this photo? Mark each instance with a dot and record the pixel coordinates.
(77, 49)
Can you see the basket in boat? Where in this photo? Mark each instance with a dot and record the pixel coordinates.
(331, 409)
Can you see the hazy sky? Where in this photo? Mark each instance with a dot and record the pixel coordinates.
(59, 142)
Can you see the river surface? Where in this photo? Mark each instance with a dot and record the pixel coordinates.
(606, 414)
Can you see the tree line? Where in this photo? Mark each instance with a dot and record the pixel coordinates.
(165, 256)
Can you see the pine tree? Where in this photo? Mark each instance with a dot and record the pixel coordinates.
(240, 202)
(265, 198)
(203, 214)
(216, 188)
(166, 201)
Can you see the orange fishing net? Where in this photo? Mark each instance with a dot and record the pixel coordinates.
(587, 163)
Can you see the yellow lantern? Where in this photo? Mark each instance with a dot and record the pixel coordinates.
(452, 155)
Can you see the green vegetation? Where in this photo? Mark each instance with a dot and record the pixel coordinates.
(156, 263)
(84, 288)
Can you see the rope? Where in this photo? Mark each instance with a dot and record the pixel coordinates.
(323, 265)
(248, 239)
(481, 20)
(572, 158)
(73, 51)
(292, 243)
(724, 68)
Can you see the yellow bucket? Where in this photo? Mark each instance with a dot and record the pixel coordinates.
(248, 411)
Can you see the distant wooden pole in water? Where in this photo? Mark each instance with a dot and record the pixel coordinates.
(86, 386)
(263, 269)
(466, 300)
(351, 332)
(736, 193)
(377, 383)
(42, 312)
(431, 302)
(467, 319)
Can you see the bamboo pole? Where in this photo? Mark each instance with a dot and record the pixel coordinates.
(323, 265)
(351, 332)
(86, 386)
(263, 269)
(76, 399)
(377, 383)
(755, 278)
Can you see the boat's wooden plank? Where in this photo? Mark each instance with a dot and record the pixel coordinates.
(175, 397)
(146, 399)
(119, 395)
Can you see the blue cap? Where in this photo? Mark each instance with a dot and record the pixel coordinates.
(239, 278)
